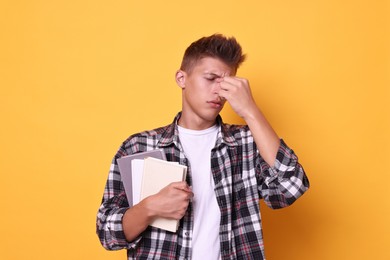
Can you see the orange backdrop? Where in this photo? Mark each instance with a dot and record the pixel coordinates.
(78, 77)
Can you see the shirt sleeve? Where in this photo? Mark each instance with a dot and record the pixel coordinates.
(282, 184)
(114, 204)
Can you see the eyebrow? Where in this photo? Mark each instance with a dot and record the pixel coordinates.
(213, 74)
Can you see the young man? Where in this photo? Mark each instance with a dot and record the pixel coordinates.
(230, 168)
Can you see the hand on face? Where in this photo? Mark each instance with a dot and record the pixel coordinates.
(238, 93)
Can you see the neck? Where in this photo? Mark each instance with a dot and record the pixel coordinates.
(195, 123)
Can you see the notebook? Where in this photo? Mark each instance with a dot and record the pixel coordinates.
(157, 175)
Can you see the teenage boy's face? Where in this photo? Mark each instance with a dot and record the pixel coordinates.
(201, 102)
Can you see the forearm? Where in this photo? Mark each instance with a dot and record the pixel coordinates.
(266, 139)
(237, 92)
(171, 202)
(135, 221)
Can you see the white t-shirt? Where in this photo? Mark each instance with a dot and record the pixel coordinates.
(197, 145)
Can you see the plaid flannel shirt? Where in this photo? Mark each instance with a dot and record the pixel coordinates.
(241, 177)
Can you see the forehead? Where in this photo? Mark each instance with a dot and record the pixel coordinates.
(210, 65)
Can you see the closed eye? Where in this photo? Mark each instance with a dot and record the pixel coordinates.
(210, 76)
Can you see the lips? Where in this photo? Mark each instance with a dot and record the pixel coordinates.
(215, 103)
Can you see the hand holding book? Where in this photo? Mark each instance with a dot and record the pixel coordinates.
(172, 201)
(162, 181)
(159, 177)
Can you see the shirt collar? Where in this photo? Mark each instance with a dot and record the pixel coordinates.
(171, 134)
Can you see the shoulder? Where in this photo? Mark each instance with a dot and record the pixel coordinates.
(240, 133)
(233, 130)
(236, 129)
(142, 141)
(148, 134)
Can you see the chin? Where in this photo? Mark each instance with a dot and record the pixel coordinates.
(211, 116)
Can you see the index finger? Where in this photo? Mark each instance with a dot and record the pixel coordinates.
(181, 185)
(232, 79)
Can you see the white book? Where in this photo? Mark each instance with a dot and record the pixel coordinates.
(157, 175)
(137, 170)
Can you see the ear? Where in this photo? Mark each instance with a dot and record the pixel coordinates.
(180, 78)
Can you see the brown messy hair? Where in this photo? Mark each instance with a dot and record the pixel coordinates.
(228, 50)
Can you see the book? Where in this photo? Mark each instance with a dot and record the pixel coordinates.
(137, 172)
(132, 180)
(157, 175)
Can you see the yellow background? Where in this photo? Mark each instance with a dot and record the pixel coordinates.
(78, 77)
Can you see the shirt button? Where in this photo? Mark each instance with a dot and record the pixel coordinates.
(187, 233)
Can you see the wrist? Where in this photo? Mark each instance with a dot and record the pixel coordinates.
(252, 114)
(148, 209)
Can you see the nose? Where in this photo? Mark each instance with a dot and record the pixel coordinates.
(217, 85)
